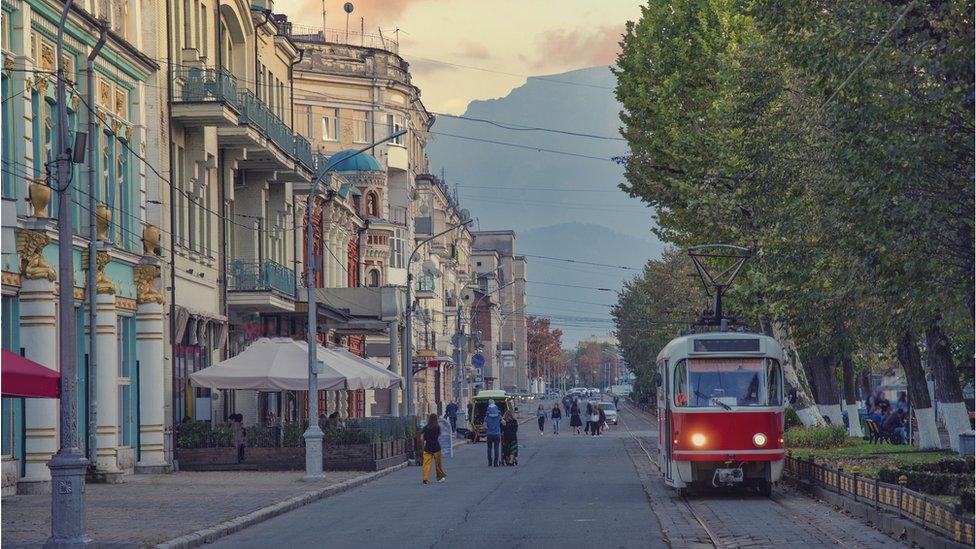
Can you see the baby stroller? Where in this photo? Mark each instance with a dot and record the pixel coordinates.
(510, 456)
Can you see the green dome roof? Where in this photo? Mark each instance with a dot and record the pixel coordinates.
(348, 161)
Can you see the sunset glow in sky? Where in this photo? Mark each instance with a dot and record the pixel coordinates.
(521, 37)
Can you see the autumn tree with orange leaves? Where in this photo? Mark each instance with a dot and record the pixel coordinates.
(544, 346)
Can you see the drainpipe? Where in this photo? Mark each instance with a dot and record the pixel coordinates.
(360, 261)
(257, 71)
(92, 442)
(291, 80)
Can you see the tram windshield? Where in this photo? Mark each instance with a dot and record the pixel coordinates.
(725, 382)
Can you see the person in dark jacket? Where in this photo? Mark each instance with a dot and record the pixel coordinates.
(540, 415)
(894, 426)
(510, 439)
(432, 449)
(493, 432)
(555, 415)
(574, 418)
(589, 419)
(451, 412)
(602, 422)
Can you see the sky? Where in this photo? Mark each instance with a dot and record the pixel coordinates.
(519, 37)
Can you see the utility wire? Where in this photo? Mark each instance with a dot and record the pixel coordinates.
(567, 260)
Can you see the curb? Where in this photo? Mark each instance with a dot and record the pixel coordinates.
(226, 528)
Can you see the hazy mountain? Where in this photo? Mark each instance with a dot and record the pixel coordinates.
(560, 205)
(583, 242)
(518, 188)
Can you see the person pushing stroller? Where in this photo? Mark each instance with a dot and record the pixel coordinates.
(509, 439)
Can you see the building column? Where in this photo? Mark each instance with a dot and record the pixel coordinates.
(38, 334)
(107, 429)
(149, 350)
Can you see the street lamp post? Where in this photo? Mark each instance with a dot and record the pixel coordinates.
(408, 329)
(69, 464)
(313, 435)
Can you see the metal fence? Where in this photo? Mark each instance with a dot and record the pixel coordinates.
(205, 434)
(262, 275)
(921, 509)
(195, 84)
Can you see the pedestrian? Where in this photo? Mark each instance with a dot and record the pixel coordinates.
(594, 421)
(451, 413)
(540, 415)
(574, 418)
(432, 449)
(894, 427)
(493, 432)
(555, 415)
(589, 416)
(902, 403)
(602, 421)
(616, 401)
(509, 438)
(239, 435)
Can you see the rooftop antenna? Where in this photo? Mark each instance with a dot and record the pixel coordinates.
(347, 7)
(323, 21)
(716, 256)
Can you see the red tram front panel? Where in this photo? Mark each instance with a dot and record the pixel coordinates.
(721, 435)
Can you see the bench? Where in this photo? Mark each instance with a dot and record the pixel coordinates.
(875, 434)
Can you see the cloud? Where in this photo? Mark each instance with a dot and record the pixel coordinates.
(577, 48)
(473, 50)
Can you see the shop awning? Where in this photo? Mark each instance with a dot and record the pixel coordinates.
(281, 364)
(393, 380)
(22, 377)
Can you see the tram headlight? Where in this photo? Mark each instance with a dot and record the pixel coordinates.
(759, 439)
(698, 439)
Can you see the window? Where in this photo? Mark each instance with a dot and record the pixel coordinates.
(716, 382)
(396, 249)
(128, 383)
(120, 219)
(394, 124)
(330, 125)
(374, 278)
(681, 383)
(120, 17)
(360, 127)
(187, 24)
(774, 383)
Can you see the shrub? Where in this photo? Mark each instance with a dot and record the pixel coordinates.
(292, 434)
(828, 436)
(946, 477)
(261, 436)
(967, 500)
(222, 435)
(192, 434)
(792, 419)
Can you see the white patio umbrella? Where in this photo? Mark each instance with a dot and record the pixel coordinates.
(281, 364)
(391, 379)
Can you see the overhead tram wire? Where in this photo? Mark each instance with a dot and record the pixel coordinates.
(582, 262)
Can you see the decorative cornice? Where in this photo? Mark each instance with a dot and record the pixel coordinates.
(125, 303)
(145, 277)
(10, 279)
(30, 245)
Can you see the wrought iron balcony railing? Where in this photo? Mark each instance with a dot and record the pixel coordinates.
(206, 84)
(250, 276)
(256, 112)
(425, 283)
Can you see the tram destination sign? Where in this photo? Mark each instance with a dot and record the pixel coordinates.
(704, 345)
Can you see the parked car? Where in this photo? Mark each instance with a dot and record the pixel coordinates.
(610, 411)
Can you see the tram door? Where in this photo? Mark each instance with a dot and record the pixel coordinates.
(664, 418)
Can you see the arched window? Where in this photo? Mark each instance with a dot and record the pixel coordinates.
(374, 278)
(372, 205)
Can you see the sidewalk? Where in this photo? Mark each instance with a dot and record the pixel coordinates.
(150, 509)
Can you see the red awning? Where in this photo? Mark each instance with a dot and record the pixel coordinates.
(22, 377)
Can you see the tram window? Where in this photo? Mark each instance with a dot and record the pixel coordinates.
(726, 382)
(681, 384)
(774, 385)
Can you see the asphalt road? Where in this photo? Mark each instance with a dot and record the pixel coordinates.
(567, 491)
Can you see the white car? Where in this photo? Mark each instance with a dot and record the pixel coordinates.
(610, 411)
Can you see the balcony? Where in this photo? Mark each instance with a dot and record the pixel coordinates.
(426, 287)
(270, 144)
(398, 215)
(264, 286)
(205, 97)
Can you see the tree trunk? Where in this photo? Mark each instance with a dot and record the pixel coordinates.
(796, 378)
(850, 398)
(824, 373)
(865, 381)
(948, 391)
(918, 391)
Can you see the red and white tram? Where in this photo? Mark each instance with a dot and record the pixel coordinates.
(720, 410)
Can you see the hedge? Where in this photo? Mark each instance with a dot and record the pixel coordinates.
(949, 477)
(823, 437)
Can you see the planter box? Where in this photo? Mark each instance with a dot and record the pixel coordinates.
(346, 457)
(361, 457)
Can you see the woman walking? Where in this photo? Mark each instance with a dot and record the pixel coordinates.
(555, 415)
(574, 418)
(540, 414)
(594, 421)
(432, 449)
(602, 421)
(509, 439)
(589, 418)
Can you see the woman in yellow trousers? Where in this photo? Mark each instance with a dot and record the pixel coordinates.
(432, 449)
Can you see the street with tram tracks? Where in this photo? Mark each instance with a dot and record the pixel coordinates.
(567, 491)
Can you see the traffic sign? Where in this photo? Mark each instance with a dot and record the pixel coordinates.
(477, 360)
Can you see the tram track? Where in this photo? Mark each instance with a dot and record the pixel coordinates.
(713, 538)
